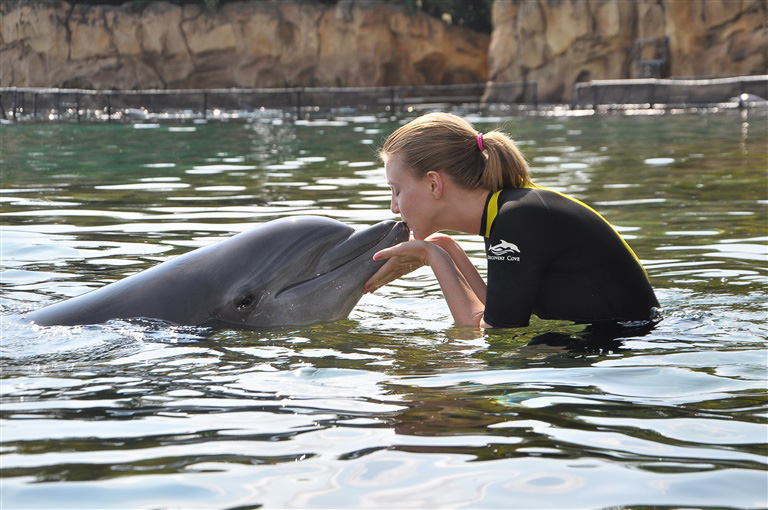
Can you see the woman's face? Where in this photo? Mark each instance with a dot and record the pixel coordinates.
(411, 197)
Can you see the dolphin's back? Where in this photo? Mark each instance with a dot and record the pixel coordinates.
(173, 291)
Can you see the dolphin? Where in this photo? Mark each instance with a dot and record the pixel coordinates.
(293, 271)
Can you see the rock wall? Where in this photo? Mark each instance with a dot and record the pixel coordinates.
(50, 43)
(561, 42)
(243, 44)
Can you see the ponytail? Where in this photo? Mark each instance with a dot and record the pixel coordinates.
(505, 165)
(447, 143)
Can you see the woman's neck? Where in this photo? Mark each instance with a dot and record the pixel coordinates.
(462, 209)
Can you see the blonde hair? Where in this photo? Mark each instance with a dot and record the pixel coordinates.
(445, 142)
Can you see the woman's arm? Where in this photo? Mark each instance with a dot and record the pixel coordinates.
(462, 262)
(463, 301)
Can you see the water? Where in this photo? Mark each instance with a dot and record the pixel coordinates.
(396, 406)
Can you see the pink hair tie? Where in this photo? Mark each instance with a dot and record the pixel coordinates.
(480, 142)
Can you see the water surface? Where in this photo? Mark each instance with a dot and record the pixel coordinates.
(396, 406)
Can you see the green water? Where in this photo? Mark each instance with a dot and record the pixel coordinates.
(394, 407)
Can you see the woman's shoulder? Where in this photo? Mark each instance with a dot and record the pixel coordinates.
(524, 198)
(523, 206)
(537, 196)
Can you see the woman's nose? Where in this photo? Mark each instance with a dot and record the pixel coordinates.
(393, 206)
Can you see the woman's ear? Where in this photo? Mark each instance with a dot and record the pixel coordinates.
(436, 183)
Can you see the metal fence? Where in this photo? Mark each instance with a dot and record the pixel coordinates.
(668, 93)
(56, 104)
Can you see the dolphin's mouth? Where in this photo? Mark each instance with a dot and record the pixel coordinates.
(388, 238)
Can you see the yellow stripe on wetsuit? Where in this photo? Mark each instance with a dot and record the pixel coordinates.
(492, 211)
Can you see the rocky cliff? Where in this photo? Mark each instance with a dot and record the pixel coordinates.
(48, 43)
(561, 42)
(243, 44)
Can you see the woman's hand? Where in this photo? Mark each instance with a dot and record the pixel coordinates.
(462, 286)
(402, 258)
(406, 257)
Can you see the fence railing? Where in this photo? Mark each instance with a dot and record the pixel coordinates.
(655, 93)
(18, 103)
(59, 104)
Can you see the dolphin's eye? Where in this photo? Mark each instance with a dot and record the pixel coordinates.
(245, 302)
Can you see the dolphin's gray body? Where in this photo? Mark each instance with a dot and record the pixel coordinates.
(287, 272)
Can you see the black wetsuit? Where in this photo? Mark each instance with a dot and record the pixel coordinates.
(553, 256)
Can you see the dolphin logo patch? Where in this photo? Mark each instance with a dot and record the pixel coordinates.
(503, 248)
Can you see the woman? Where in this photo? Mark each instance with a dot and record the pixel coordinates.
(548, 254)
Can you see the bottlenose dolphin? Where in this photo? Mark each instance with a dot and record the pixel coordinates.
(288, 272)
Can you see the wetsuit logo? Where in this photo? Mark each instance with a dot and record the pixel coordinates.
(504, 248)
(504, 251)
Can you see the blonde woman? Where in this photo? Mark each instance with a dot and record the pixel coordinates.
(548, 254)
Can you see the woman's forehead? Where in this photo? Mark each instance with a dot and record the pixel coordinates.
(398, 176)
(395, 160)
(392, 168)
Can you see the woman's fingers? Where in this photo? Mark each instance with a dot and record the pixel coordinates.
(382, 254)
(397, 250)
(389, 272)
(415, 250)
(379, 278)
(376, 282)
(401, 260)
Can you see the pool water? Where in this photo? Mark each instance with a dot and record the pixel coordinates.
(395, 407)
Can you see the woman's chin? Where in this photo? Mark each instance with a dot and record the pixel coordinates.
(419, 234)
